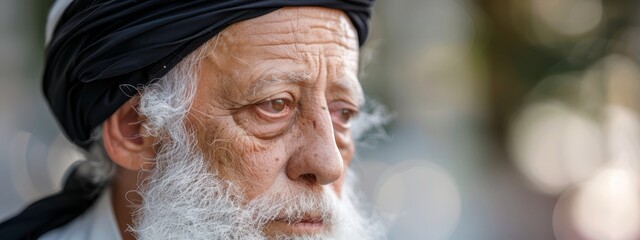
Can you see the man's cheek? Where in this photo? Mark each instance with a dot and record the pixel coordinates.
(337, 185)
(259, 171)
(346, 145)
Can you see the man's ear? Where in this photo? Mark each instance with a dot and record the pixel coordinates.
(123, 140)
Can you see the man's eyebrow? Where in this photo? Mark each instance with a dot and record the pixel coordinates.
(278, 78)
(343, 86)
(348, 87)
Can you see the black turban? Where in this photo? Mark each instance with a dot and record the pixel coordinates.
(98, 46)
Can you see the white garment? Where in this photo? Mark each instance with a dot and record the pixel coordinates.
(97, 223)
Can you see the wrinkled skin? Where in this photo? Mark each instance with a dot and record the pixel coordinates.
(273, 104)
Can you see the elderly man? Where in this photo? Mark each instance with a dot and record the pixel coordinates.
(204, 120)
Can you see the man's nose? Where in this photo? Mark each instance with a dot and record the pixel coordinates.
(317, 160)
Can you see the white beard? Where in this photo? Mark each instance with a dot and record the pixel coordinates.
(184, 200)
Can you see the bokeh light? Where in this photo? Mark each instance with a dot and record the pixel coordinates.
(569, 17)
(608, 206)
(556, 147)
(423, 200)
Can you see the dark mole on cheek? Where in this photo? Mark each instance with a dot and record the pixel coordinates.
(323, 108)
(314, 124)
(277, 159)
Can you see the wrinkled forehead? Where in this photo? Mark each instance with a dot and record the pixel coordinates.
(301, 44)
(296, 25)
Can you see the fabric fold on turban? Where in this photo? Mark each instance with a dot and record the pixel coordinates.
(102, 51)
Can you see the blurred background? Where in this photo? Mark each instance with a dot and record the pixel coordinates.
(512, 119)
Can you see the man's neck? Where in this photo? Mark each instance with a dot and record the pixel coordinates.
(123, 199)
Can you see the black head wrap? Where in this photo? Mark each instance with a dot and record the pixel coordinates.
(100, 45)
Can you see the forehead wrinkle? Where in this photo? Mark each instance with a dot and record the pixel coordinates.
(296, 28)
(280, 43)
(317, 36)
(279, 17)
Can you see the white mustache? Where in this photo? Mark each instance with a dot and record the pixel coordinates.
(304, 207)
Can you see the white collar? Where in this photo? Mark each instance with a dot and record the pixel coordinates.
(97, 223)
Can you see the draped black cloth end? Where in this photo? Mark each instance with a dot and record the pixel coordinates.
(77, 195)
(102, 51)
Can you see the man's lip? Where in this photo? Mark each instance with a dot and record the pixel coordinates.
(307, 218)
(299, 227)
(309, 223)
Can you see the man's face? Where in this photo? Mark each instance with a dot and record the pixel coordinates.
(273, 103)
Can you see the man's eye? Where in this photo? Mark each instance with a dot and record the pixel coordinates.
(274, 108)
(342, 113)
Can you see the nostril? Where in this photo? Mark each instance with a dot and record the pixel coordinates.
(309, 177)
